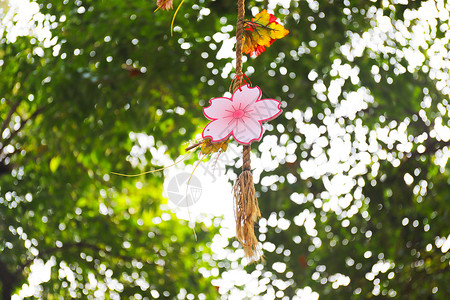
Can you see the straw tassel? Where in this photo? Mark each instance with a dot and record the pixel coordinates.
(246, 209)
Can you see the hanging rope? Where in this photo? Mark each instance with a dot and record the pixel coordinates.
(239, 40)
(246, 207)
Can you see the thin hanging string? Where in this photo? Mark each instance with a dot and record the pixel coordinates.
(175, 163)
(238, 81)
(160, 169)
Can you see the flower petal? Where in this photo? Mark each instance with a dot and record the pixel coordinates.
(261, 36)
(245, 96)
(263, 17)
(247, 130)
(218, 108)
(218, 130)
(265, 109)
(278, 31)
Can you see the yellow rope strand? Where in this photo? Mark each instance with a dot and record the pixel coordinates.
(173, 19)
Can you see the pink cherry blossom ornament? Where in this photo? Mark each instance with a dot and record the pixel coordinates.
(241, 116)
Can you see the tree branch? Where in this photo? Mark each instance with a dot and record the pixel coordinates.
(13, 134)
(8, 118)
(7, 279)
(5, 156)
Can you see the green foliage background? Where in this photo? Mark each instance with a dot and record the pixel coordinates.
(67, 109)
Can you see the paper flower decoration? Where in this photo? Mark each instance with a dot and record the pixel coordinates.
(241, 116)
(261, 32)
